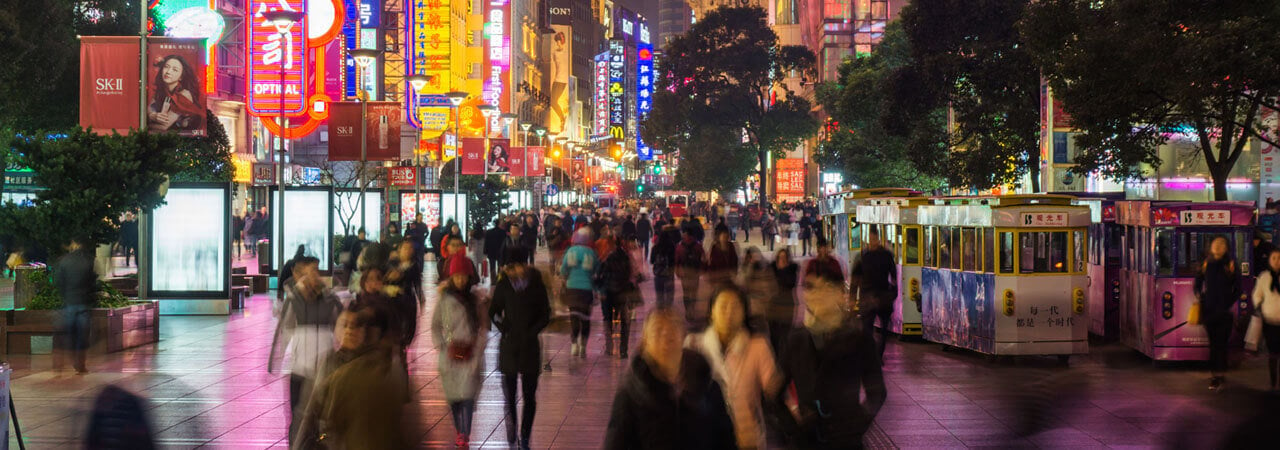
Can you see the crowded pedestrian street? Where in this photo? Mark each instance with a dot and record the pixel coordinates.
(206, 385)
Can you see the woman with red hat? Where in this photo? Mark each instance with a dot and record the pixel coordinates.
(460, 342)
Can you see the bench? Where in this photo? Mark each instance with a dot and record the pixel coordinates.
(238, 296)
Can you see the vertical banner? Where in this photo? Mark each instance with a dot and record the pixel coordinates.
(497, 61)
(534, 157)
(429, 52)
(498, 161)
(527, 161)
(274, 56)
(577, 170)
(382, 121)
(175, 86)
(617, 92)
(644, 90)
(1268, 165)
(600, 122)
(344, 131)
(790, 174)
(109, 83)
(561, 12)
(472, 156)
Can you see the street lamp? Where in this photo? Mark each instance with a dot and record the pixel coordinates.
(417, 82)
(455, 100)
(283, 20)
(489, 111)
(364, 57)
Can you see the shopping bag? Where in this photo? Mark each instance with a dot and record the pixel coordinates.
(1193, 314)
(1253, 334)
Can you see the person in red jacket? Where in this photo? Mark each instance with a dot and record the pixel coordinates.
(722, 263)
(825, 266)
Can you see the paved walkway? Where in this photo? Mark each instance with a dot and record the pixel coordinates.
(207, 385)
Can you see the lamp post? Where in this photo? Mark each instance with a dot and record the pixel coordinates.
(488, 111)
(455, 99)
(283, 20)
(525, 126)
(364, 57)
(417, 82)
(507, 120)
(569, 146)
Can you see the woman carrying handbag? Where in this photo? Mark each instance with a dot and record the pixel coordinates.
(1266, 314)
(460, 341)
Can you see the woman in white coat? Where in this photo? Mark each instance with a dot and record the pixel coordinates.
(1266, 304)
(460, 341)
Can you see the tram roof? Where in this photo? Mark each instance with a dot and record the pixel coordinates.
(1162, 213)
(1005, 211)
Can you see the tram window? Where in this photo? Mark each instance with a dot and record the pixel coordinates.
(911, 238)
(855, 237)
(1048, 251)
(957, 249)
(1164, 251)
(1244, 253)
(1006, 252)
(944, 247)
(1129, 237)
(969, 243)
(988, 250)
(930, 246)
(1078, 249)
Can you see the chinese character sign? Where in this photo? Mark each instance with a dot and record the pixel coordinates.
(430, 51)
(601, 123)
(617, 96)
(644, 92)
(270, 53)
(497, 50)
(1044, 219)
(1204, 217)
(401, 176)
(790, 176)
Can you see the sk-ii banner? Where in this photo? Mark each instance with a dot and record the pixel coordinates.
(109, 83)
(472, 156)
(531, 166)
(382, 122)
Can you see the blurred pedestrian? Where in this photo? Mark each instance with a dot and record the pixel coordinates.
(305, 330)
(644, 233)
(669, 399)
(286, 275)
(806, 232)
(824, 265)
(577, 270)
(392, 236)
(876, 275)
(119, 421)
(358, 399)
(831, 364)
(782, 307)
(755, 277)
(663, 262)
(722, 260)
(460, 342)
(494, 239)
(521, 309)
(405, 273)
(741, 362)
(1266, 304)
(77, 283)
(768, 229)
(557, 241)
(1217, 286)
(690, 262)
(616, 279)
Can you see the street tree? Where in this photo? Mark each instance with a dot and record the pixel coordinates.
(968, 62)
(1133, 73)
(724, 77)
(351, 181)
(854, 140)
(89, 181)
(486, 196)
(206, 158)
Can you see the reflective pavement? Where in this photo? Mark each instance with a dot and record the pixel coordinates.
(208, 387)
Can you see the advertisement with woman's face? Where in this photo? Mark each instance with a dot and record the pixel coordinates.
(175, 89)
(498, 157)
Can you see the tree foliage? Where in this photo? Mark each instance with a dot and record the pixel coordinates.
(39, 80)
(716, 81)
(206, 158)
(967, 58)
(855, 140)
(1131, 73)
(486, 196)
(89, 182)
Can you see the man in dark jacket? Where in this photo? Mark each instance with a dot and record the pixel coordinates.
(876, 274)
(529, 236)
(78, 285)
(493, 243)
(668, 400)
(628, 228)
(521, 309)
(644, 233)
(824, 265)
(830, 361)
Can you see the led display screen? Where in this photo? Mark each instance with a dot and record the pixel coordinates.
(307, 220)
(189, 246)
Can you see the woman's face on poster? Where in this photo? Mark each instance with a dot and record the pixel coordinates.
(172, 71)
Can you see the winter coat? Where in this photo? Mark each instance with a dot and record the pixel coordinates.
(493, 240)
(1218, 286)
(306, 329)
(782, 308)
(529, 236)
(649, 413)
(644, 229)
(722, 263)
(617, 274)
(746, 372)
(1266, 301)
(829, 372)
(520, 315)
(828, 269)
(76, 281)
(578, 266)
(663, 259)
(450, 325)
(357, 402)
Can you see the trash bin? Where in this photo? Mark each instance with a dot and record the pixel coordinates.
(264, 256)
(23, 287)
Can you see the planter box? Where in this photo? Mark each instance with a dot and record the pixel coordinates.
(126, 286)
(110, 330)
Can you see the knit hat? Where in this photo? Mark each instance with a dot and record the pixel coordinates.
(582, 236)
(460, 264)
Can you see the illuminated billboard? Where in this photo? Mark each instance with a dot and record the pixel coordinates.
(617, 91)
(644, 91)
(497, 61)
(278, 67)
(600, 124)
(190, 241)
(429, 31)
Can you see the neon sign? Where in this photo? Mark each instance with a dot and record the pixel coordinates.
(497, 56)
(429, 36)
(644, 92)
(617, 96)
(270, 52)
(602, 95)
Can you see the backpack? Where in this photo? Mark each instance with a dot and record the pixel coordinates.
(662, 264)
(692, 257)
